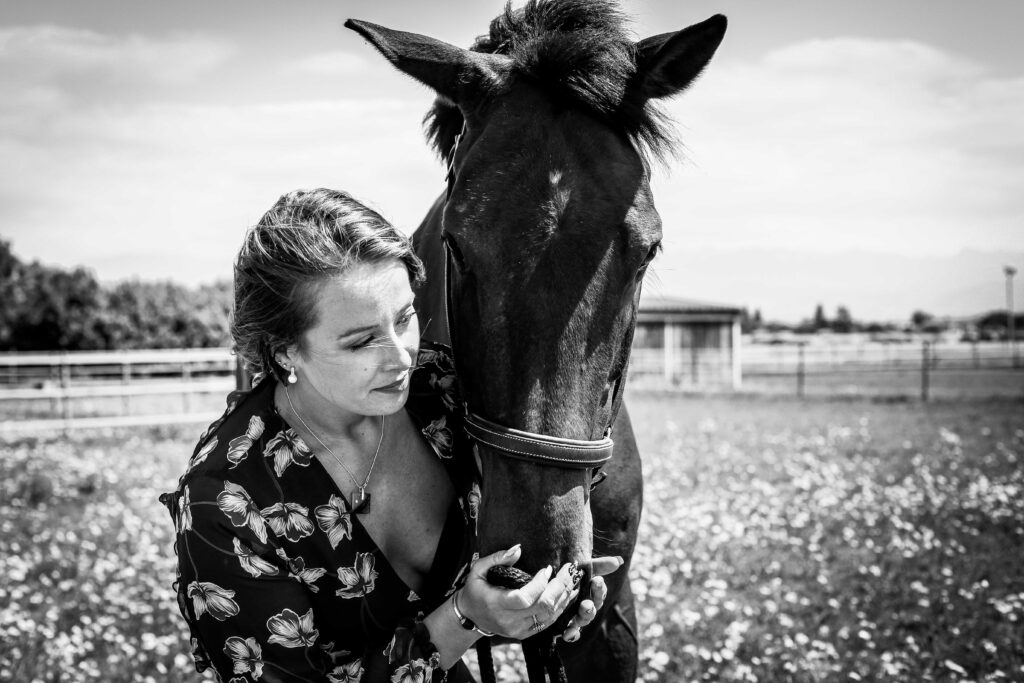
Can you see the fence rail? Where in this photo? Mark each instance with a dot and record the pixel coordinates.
(927, 369)
(64, 390)
(59, 391)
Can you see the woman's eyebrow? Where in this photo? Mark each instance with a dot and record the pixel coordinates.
(357, 330)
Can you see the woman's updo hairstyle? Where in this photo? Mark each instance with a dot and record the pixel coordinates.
(307, 237)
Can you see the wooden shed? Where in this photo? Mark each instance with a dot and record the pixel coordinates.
(686, 343)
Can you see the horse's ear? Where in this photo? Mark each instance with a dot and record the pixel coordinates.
(668, 63)
(455, 74)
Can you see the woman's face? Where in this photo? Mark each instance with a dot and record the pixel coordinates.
(359, 355)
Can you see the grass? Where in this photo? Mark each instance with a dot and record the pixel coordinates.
(820, 541)
(781, 540)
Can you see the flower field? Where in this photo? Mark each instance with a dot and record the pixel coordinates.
(781, 541)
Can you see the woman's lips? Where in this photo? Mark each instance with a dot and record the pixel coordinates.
(397, 385)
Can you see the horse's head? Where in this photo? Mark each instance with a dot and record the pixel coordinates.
(550, 225)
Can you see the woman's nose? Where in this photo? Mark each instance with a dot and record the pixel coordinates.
(399, 353)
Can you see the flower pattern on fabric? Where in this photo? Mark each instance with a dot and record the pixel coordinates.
(416, 671)
(309, 576)
(445, 386)
(235, 502)
(246, 655)
(473, 498)
(359, 579)
(244, 530)
(209, 598)
(436, 357)
(290, 520)
(255, 565)
(286, 448)
(204, 452)
(334, 520)
(185, 519)
(288, 629)
(238, 448)
(439, 436)
(347, 673)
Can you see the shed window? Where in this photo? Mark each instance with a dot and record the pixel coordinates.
(649, 336)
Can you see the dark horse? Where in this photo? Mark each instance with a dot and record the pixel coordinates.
(535, 255)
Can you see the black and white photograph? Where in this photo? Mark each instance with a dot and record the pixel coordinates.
(511, 341)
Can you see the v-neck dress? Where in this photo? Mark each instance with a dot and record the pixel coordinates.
(276, 577)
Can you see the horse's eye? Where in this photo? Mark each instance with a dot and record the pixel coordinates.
(453, 249)
(647, 261)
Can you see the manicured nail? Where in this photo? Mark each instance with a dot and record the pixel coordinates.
(621, 561)
(513, 550)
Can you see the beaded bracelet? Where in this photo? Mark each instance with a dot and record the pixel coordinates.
(464, 621)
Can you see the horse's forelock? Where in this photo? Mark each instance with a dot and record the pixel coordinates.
(578, 50)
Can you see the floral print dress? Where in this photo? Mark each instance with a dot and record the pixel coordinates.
(279, 581)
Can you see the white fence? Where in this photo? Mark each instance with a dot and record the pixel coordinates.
(42, 392)
(923, 367)
(56, 391)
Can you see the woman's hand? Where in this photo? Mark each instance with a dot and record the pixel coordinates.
(521, 612)
(600, 566)
(517, 613)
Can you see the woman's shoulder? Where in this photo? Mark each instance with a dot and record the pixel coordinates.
(249, 424)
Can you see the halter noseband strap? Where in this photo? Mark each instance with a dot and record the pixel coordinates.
(547, 450)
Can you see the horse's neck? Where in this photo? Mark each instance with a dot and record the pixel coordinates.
(430, 298)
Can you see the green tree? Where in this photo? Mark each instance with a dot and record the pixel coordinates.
(10, 293)
(159, 315)
(843, 323)
(55, 310)
(920, 319)
(819, 322)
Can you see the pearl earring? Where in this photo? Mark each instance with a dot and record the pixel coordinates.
(292, 377)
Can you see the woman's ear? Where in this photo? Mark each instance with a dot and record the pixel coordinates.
(285, 357)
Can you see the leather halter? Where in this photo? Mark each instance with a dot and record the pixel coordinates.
(540, 449)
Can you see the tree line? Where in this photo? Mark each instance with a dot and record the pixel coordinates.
(993, 325)
(47, 308)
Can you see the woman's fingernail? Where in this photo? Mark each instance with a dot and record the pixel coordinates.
(621, 561)
(572, 637)
(513, 550)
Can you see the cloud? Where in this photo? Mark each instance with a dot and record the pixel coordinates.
(165, 191)
(65, 56)
(850, 143)
(820, 146)
(332, 63)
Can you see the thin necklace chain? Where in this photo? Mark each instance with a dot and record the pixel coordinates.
(361, 487)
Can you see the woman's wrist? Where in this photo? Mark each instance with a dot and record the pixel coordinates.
(464, 621)
(448, 635)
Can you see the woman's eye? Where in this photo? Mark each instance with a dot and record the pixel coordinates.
(361, 344)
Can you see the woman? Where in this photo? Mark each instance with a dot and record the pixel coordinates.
(325, 524)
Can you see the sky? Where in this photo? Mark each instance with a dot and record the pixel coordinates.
(140, 139)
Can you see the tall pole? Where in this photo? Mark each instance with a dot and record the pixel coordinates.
(1011, 332)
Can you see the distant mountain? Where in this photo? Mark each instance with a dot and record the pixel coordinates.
(786, 285)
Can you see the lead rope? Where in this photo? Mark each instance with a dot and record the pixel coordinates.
(543, 663)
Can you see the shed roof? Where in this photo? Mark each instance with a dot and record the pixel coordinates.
(662, 304)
